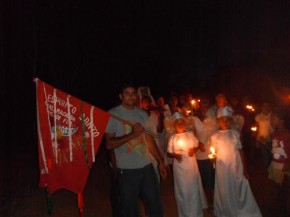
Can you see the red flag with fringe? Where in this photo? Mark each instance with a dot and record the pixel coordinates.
(69, 135)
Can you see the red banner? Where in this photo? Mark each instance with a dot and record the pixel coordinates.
(69, 135)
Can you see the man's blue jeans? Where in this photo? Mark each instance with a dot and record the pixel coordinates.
(136, 184)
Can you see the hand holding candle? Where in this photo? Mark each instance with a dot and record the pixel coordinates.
(212, 156)
(180, 145)
(178, 157)
(179, 149)
(191, 152)
(213, 153)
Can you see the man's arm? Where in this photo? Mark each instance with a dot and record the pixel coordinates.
(155, 152)
(115, 142)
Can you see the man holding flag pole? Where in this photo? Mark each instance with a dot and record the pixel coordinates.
(131, 144)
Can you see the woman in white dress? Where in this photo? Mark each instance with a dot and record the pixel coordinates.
(188, 189)
(232, 194)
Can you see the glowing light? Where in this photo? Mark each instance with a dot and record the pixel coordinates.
(193, 102)
(213, 153)
(180, 143)
(250, 108)
(254, 128)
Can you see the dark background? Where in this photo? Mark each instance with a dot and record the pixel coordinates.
(88, 48)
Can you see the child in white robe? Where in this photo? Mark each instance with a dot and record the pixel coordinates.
(232, 192)
(188, 188)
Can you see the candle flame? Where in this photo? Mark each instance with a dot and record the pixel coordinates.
(213, 153)
(250, 108)
(254, 128)
(212, 150)
(180, 142)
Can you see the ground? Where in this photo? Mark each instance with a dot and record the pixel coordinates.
(21, 196)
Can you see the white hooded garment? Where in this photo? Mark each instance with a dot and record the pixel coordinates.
(232, 194)
(188, 189)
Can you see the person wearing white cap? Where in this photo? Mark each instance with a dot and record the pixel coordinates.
(189, 194)
(232, 192)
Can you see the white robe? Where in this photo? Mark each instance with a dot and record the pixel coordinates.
(232, 194)
(188, 189)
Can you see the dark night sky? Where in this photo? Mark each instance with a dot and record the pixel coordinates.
(87, 48)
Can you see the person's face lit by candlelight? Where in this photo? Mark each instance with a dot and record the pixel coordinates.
(225, 122)
(265, 108)
(179, 125)
(224, 116)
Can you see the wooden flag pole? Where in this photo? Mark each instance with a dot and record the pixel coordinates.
(130, 124)
(81, 204)
(48, 202)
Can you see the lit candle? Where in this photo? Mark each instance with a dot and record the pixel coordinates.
(213, 153)
(180, 146)
(254, 128)
(250, 108)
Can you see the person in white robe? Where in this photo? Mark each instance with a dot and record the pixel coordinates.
(233, 196)
(189, 194)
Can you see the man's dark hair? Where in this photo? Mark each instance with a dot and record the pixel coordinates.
(126, 85)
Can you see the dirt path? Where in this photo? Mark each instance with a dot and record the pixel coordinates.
(20, 196)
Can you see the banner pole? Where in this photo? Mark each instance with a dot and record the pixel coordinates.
(81, 204)
(48, 202)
